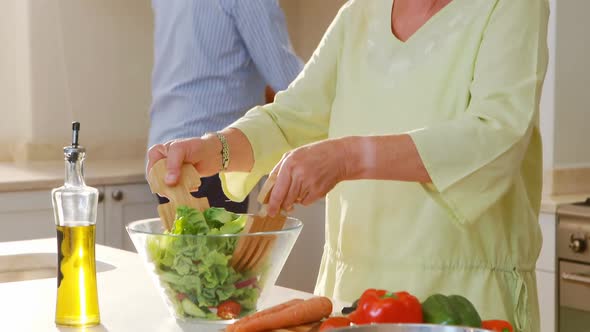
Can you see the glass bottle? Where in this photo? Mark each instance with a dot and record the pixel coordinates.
(74, 206)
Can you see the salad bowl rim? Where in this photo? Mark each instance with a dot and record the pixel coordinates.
(131, 230)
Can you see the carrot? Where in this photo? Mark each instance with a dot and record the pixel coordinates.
(262, 313)
(300, 313)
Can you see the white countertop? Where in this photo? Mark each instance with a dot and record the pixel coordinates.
(41, 175)
(549, 204)
(128, 299)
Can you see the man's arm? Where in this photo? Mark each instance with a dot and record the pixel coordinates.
(262, 26)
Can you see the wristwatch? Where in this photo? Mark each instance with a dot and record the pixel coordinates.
(224, 151)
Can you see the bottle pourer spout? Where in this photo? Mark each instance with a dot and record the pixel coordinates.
(75, 151)
(75, 132)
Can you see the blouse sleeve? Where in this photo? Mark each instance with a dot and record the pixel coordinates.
(298, 116)
(473, 160)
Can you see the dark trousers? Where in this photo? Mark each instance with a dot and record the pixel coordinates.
(211, 188)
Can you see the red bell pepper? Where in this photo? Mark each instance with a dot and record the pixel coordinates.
(381, 306)
(334, 323)
(497, 325)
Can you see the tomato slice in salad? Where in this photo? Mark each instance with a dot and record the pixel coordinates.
(181, 296)
(229, 310)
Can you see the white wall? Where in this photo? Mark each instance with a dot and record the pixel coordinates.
(14, 75)
(572, 85)
(49, 71)
(90, 61)
(307, 21)
(547, 116)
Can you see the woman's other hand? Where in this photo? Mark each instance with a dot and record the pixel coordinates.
(307, 174)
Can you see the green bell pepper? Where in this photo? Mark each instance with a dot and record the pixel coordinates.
(450, 310)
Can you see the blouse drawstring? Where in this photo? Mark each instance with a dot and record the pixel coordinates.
(520, 298)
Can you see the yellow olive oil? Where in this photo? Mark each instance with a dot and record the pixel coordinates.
(77, 298)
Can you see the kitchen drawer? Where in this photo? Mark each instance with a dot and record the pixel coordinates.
(26, 215)
(122, 205)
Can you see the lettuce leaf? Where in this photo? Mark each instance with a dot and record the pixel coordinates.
(217, 217)
(189, 221)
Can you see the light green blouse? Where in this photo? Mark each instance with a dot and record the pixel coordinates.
(466, 86)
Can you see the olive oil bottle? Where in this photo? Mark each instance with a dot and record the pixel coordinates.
(74, 206)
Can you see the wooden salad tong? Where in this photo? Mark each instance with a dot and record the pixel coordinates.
(178, 195)
(252, 250)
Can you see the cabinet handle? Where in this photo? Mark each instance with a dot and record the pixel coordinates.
(117, 195)
(575, 277)
(100, 196)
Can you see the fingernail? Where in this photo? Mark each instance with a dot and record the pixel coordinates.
(170, 178)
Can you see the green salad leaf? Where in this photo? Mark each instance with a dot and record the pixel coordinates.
(196, 270)
(189, 221)
(217, 217)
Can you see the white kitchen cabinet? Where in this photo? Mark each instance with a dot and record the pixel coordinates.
(546, 283)
(28, 215)
(122, 205)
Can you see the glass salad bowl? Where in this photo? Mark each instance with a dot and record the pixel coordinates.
(192, 265)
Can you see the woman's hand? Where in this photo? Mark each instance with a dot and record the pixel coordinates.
(203, 153)
(307, 174)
